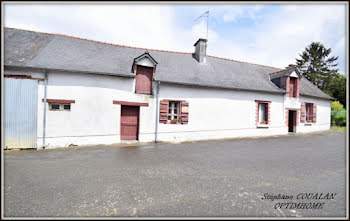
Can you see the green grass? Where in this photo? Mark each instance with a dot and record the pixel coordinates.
(338, 128)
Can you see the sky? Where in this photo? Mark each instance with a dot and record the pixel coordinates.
(268, 34)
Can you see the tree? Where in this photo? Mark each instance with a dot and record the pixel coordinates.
(337, 88)
(316, 65)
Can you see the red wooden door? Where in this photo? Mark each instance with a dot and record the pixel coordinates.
(129, 122)
(144, 79)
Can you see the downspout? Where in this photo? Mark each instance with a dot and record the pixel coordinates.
(44, 117)
(157, 113)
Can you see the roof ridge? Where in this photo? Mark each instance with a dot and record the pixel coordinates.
(58, 34)
(281, 70)
(242, 61)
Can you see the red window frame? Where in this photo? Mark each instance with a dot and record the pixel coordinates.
(267, 111)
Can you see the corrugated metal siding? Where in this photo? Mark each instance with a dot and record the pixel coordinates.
(20, 113)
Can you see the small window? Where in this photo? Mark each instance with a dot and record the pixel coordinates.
(59, 107)
(262, 113)
(173, 112)
(55, 106)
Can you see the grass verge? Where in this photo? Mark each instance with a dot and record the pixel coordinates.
(338, 128)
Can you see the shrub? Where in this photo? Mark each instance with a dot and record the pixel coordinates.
(337, 106)
(339, 120)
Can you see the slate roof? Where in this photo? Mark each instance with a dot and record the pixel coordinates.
(59, 52)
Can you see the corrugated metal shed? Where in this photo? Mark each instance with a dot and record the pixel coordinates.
(20, 113)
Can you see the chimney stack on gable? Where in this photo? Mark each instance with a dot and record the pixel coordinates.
(201, 50)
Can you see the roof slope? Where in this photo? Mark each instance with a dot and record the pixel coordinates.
(309, 89)
(54, 51)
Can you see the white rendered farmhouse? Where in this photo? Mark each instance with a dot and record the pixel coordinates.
(61, 90)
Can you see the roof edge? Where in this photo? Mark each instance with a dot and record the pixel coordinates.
(319, 97)
(70, 71)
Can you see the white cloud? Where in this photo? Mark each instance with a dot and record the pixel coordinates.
(286, 33)
(233, 13)
(275, 40)
(148, 26)
(199, 30)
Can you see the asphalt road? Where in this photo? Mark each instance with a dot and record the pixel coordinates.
(210, 178)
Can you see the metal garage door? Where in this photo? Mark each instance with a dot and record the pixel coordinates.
(20, 113)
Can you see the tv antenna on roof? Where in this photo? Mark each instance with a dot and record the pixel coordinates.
(206, 14)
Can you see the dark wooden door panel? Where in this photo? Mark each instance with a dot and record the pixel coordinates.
(129, 122)
(144, 80)
(291, 121)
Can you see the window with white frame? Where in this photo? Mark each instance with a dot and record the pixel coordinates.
(173, 113)
(262, 113)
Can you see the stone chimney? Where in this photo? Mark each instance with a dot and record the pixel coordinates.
(201, 50)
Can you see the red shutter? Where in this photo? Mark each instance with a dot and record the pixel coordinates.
(287, 85)
(256, 112)
(287, 117)
(291, 87)
(314, 112)
(302, 113)
(268, 113)
(184, 112)
(298, 88)
(144, 77)
(163, 111)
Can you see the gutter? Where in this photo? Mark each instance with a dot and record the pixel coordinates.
(71, 71)
(44, 117)
(157, 113)
(319, 97)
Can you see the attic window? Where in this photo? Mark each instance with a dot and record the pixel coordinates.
(144, 76)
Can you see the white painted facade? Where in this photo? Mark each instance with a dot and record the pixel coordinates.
(213, 113)
(218, 113)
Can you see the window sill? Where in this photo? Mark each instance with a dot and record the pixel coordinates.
(144, 93)
(308, 124)
(262, 125)
(172, 122)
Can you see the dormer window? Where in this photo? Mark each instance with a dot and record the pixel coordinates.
(144, 68)
(289, 80)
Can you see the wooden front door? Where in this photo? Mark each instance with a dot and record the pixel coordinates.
(129, 122)
(291, 121)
